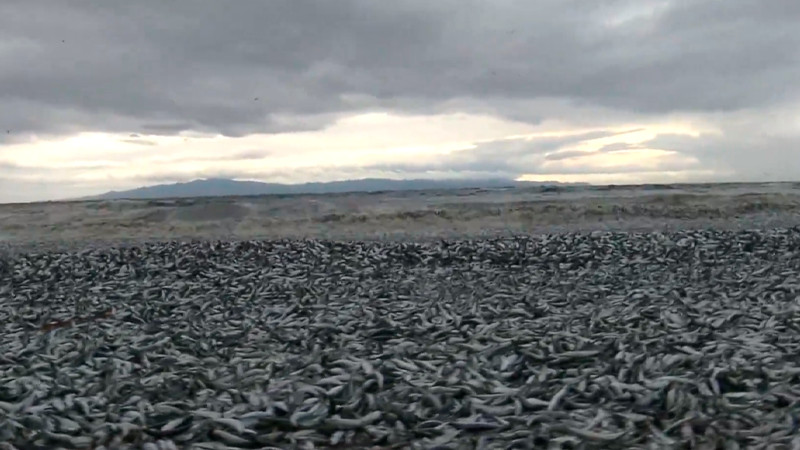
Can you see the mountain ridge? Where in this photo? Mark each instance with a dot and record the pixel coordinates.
(221, 187)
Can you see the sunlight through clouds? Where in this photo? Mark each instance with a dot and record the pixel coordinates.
(352, 141)
(366, 145)
(111, 96)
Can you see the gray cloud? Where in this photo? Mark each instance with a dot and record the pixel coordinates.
(8, 168)
(751, 156)
(178, 177)
(276, 175)
(250, 154)
(620, 147)
(509, 157)
(245, 155)
(515, 148)
(165, 67)
(164, 128)
(517, 157)
(610, 148)
(56, 174)
(206, 67)
(144, 142)
(568, 154)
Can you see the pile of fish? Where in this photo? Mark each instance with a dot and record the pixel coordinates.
(593, 340)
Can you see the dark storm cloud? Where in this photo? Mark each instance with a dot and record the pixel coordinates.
(156, 67)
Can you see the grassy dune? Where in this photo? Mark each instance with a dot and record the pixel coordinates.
(414, 215)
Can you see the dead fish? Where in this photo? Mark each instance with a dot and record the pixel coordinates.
(556, 400)
(592, 435)
(505, 410)
(479, 422)
(341, 423)
(176, 425)
(233, 424)
(229, 438)
(67, 425)
(311, 417)
(73, 441)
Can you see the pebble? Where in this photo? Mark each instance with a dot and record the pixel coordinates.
(579, 340)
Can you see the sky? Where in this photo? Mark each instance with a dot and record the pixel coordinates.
(114, 95)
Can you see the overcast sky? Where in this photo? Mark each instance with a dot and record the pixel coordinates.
(100, 95)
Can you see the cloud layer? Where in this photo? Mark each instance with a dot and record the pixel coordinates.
(150, 69)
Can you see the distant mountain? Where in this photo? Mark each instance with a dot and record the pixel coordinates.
(225, 187)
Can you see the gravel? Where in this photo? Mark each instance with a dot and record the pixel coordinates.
(571, 340)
